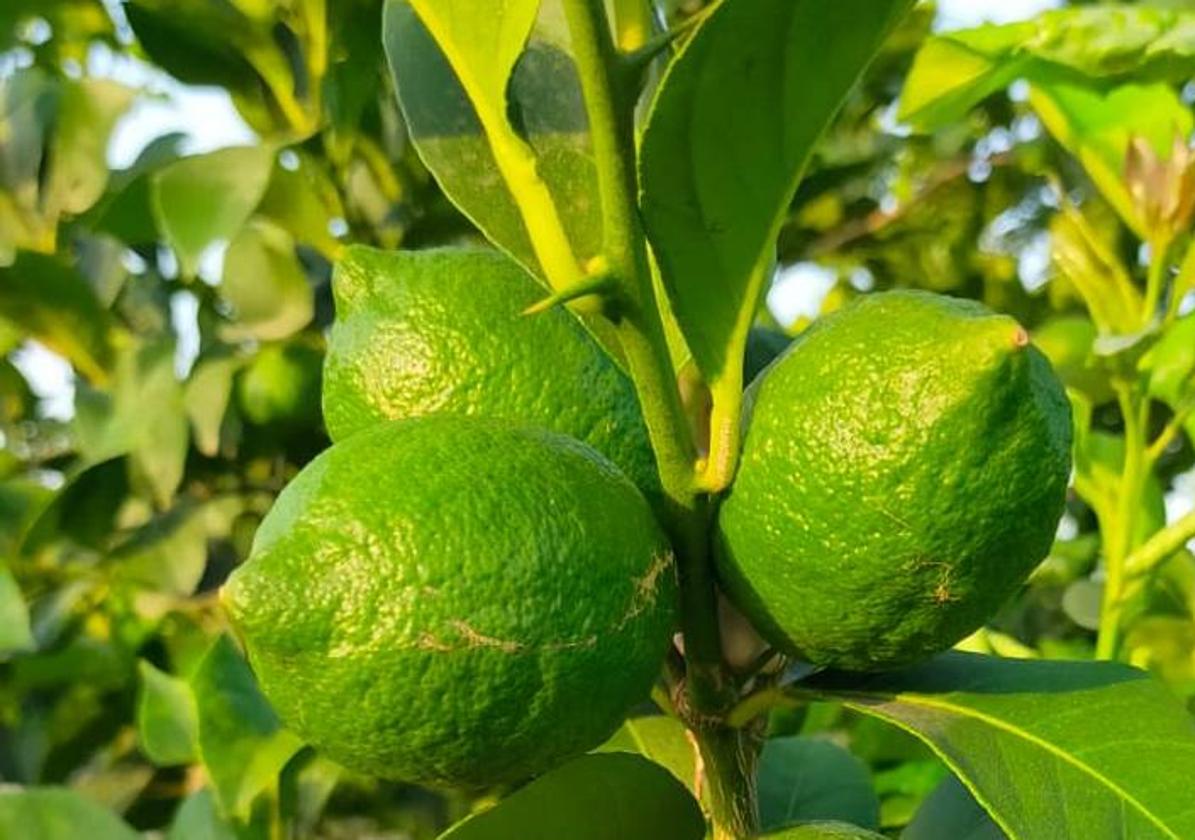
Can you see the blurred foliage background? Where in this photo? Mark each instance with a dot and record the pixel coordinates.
(188, 293)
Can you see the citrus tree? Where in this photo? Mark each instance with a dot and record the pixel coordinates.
(545, 531)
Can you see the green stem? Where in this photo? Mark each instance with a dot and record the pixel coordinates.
(1158, 252)
(1120, 532)
(1160, 546)
(687, 513)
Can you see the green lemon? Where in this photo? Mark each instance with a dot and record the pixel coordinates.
(281, 386)
(456, 601)
(904, 468)
(442, 331)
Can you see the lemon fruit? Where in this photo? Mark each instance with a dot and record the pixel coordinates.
(455, 601)
(904, 468)
(442, 331)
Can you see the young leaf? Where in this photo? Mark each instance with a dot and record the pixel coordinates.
(57, 814)
(1092, 734)
(954, 71)
(951, 811)
(1097, 127)
(207, 198)
(731, 130)
(502, 125)
(594, 797)
(810, 779)
(241, 742)
(15, 636)
(166, 717)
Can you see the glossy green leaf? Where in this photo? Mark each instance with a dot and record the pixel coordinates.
(51, 302)
(57, 814)
(595, 797)
(812, 779)
(954, 71)
(731, 130)
(241, 742)
(208, 198)
(508, 142)
(951, 811)
(663, 740)
(166, 718)
(15, 635)
(1096, 735)
(266, 285)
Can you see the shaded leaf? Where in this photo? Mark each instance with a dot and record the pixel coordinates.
(823, 831)
(241, 742)
(51, 302)
(594, 797)
(304, 201)
(140, 415)
(728, 138)
(812, 779)
(208, 198)
(198, 818)
(207, 394)
(166, 717)
(15, 635)
(1092, 733)
(57, 814)
(951, 811)
(1170, 364)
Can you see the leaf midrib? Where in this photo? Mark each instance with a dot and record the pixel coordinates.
(1029, 737)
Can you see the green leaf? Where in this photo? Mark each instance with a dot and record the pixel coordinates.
(304, 201)
(198, 818)
(241, 742)
(954, 71)
(166, 718)
(142, 415)
(87, 112)
(207, 394)
(508, 142)
(595, 797)
(730, 133)
(1170, 364)
(951, 811)
(660, 738)
(266, 284)
(208, 198)
(54, 304)
(824, 831)
(1092, 734)
(811, 779)
(1096, 128)
(15, 635)
(57, 814)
